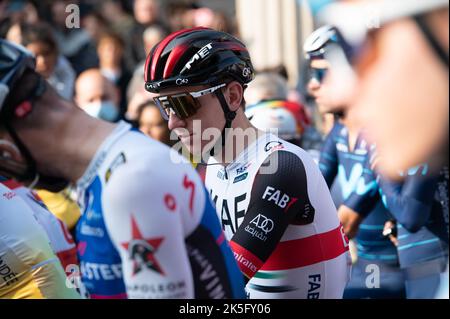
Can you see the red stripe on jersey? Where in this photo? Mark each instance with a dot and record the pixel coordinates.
(65, 231)
(248, 263)
(307, 251)
(11, 184)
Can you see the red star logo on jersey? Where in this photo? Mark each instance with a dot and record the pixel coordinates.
(142, 250)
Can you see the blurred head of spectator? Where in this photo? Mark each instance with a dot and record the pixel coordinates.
(281, 120)
(152, 36)
(151, 123)
(146, 12)
(39, 40)
(110, 50)
(180, 15)
(293, 94)
(118, 19)
(269, 90)
(21, 11)
(208, 18)
(266, 86)
(139, 96)
(96, 95)
(112, 10)
(95, 25)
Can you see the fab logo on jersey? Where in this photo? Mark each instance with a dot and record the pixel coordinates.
(142, 251)
(280, 199)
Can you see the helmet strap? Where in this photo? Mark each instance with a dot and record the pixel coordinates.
(431, 39)
(229, 117)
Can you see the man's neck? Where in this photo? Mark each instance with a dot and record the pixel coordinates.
(75, 141)
(238, 139)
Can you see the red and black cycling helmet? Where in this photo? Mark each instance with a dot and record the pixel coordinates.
(198, 56)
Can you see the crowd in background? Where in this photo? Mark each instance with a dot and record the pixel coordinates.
(107, 52)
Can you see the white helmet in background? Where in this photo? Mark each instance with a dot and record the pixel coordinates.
(282, 120)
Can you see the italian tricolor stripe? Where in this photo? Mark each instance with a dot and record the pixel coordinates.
(248, 263)
(307, 251)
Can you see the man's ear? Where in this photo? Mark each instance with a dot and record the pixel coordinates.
(235, 95)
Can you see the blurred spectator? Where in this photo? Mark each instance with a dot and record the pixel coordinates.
(206, 17)
(151, 123)
(135, 86)
(278, 118)
(152, 36)
(21, 11)
(180, 15)
(74, 43)
(97, 96)
(293, 94)
(146, 13)
(110, 51)
(270, 90)
(95, 25)
(139, 96)
(266, 86)
(118, 19)
(38, 38)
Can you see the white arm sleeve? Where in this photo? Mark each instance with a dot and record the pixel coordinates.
(142, 214)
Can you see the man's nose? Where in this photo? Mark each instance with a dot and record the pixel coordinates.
(175, 121)
(313, 85)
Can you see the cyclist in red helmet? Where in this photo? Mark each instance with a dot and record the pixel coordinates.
(271, 198)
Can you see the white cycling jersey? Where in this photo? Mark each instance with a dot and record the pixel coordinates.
(277, 212)
(60, 238)
(29, 267)
(148, 228)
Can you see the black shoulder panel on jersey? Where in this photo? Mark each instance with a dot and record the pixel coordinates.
(211, 278)
(277, 200)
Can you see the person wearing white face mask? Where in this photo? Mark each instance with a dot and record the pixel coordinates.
(97, 96)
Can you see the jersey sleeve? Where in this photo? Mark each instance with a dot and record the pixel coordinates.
(276, 201)
(410, 202)
(365, 195)
(142, 213)
(328, 162)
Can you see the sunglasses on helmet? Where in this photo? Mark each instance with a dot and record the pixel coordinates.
(183, 105)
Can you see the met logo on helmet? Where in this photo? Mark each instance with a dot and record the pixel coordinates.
(153, 86)
(201, 54)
